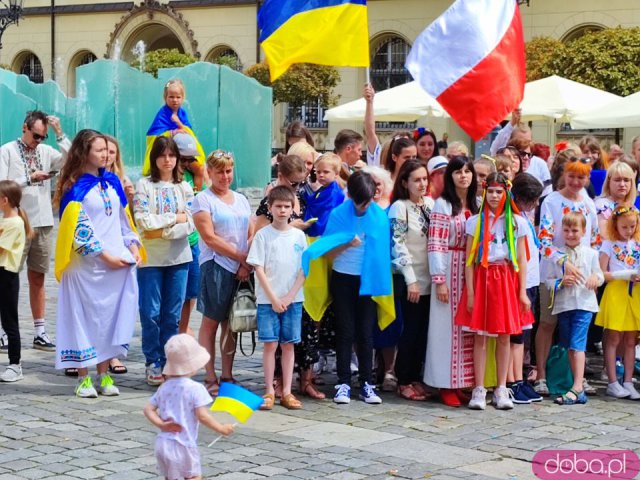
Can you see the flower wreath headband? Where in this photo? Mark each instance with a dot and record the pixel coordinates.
(482, 235)
(624, 210)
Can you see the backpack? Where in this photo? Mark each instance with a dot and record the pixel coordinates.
(242, 317)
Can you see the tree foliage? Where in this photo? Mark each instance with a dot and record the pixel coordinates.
(301, 83)
(539, 51)
(608, 59)
(4, 66)
(164, 58)
(228, 61)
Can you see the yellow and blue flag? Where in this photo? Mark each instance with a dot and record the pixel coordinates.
(236, 401)
(325, 32)
(70, 206)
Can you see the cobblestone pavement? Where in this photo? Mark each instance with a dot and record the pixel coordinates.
(45, 432)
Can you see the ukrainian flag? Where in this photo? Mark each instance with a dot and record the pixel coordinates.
(325, 32)
(237, 401)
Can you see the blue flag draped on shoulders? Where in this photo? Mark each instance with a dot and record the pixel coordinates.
(375, 279)
(325, 32)
(161, 126)
(70, 206)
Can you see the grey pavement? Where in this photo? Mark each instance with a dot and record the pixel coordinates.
(45, 432)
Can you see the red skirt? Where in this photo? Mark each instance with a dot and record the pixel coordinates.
(496, 307)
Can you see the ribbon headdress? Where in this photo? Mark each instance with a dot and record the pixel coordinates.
(482, 235)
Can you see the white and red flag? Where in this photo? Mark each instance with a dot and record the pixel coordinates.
(472, 60)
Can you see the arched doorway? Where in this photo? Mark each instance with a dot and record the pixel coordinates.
(224, 55)
(155, 36)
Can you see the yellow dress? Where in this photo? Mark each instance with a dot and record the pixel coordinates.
(618, 310)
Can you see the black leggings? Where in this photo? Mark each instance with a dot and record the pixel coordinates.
(412, 345)
(355, 317)
(9, 288)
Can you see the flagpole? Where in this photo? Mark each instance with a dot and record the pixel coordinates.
(219, 437)
(368, 76)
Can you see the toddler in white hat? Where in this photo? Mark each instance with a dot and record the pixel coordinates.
(178, 407)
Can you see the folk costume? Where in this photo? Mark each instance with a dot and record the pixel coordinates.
(97, 305)
(496, 308)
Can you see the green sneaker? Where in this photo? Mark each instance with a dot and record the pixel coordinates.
(85, 388)
(106, 386)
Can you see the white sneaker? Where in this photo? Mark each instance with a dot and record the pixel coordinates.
(501, 399)
(616, 390)
(13, 373)
(633, 393)
(85, 388)
(154, 376)
(343, 394)
(106, 386)
(478, 399)
(368, 394)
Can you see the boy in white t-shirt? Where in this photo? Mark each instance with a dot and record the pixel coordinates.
(276, 254)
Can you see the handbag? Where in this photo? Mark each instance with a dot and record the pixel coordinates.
(559, 375)
(243, 314)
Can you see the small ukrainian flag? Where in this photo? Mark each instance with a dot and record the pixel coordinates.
(236, 401)
(325, 32)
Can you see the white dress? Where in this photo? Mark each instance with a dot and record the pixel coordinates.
(449, 359)
(97, 305)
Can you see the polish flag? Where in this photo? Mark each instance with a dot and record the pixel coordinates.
(472, 60)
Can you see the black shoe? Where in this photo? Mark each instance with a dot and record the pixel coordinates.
(44, 343)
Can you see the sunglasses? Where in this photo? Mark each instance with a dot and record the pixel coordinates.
(221, 154)
(523, 154)
(294, 184)
(585, 160)
(37, 137)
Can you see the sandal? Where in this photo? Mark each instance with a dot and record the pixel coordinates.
(581, 398)
(212, 386)
(422, 389)
(71, 372)
(307, 388)
(290, 402)
(116, 367)
(588, 389)
(390, 382)
(409, 392)
(269, 400)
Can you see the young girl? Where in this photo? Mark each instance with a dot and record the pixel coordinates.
(495, 302)
(357, 238)
(96, 258)
(177, 409)
(571, 197)
(162, 210)
(170, 120)
(620, 306)
(619, 189)
(14, 229)
(401, 150)
(574, 300)
(409, 217)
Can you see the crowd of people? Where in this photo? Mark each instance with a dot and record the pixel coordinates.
(424, 270)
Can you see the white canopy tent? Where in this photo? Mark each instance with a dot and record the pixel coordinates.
(404, 103)
(621, 113)
(561, 99)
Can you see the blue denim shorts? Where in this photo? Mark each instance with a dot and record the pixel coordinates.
(217, 289)
(193, 279)
(573, 328)
(282, 327)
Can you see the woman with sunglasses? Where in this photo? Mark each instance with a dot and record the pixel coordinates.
(530, 163)
(570, 198)
(223, 220)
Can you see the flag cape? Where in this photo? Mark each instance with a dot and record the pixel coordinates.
(319, 205)
(162, 126)
(325, 32)
(236, 401)
(316, 292)
(70, 206)
(375, 279)
(471, 59)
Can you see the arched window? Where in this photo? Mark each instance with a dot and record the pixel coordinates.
(224, 55)
(83, 57)
(387, 63)
(389, 54)
(580, 31)
(32, 68)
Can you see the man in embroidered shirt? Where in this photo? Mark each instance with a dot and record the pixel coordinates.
(32, 164)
